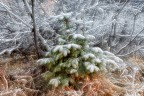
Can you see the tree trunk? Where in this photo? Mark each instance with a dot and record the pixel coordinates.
(34, 27)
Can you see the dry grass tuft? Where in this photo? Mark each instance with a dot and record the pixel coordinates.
(98, 86)
(16, 78)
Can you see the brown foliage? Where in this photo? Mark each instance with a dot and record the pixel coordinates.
(97, 86)
(3, 81)
(16, 85)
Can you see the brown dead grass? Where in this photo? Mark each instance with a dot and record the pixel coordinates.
(136, 60)
(17, 72)
(98, 86)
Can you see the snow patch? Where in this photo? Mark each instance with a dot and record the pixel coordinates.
(44, 60)
(78, 36)
(92, 68)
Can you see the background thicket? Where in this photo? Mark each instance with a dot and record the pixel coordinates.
(76, 44)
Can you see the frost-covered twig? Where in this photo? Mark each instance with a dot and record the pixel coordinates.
(131, 52)
(8, 10)
(130, 41)
(27, 6)
(43, 41)
(113, 32)
(9, 50)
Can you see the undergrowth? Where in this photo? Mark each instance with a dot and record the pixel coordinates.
(121, 83)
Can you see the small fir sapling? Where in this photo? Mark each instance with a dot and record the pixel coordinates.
(73, 57)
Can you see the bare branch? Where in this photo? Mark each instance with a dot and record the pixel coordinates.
(8, 10)
(131, 52)
(9, 50)
(27, 6)
(130, 41)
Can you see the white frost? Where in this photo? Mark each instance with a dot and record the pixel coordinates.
(89, 55)
(75, 46)
(44, 60)
(92, 68)
(87, 63)
(58, 48)
(78, 36)
(108, 53)
(65, 52)
(61, 40)
(90, 37)
(73, 71)
(97, 60)
(117, 59)
(55, 82)
(97, 50)
(112, 64)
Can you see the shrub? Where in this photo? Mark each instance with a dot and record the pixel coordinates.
(74, 58)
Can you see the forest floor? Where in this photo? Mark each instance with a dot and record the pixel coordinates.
(21, 77)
